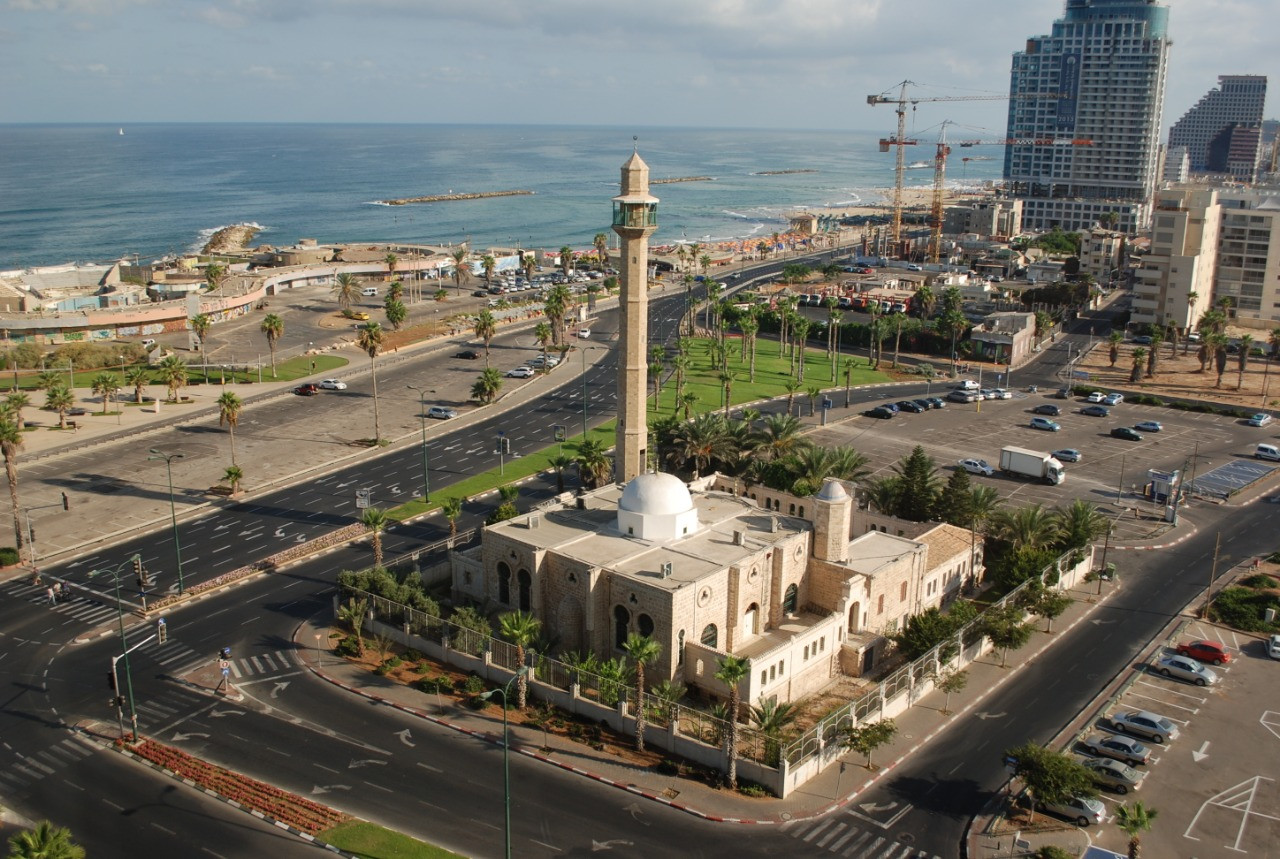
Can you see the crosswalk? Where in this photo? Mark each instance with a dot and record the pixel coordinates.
(178, 660)
(840, 836)
(86, 609)
(30, 768)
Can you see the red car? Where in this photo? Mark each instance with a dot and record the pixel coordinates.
(1209, 652)
(307, 390)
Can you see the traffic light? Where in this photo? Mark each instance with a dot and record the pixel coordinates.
(138, 572)
(162, 631)
(225, 653)
(111, 681)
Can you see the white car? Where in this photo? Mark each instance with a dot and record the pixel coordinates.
(1001, 394)
(977, 466)
(584, 333)
(1113, 399)
(1273, 647)
(441, 413)
(1261, 419)
(1096, 397)
(333, 385)
(520, 373)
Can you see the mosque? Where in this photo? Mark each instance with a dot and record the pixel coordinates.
(713, 567)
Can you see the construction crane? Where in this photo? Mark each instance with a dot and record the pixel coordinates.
(900, 140)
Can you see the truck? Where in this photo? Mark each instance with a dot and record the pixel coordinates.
(1033, 464)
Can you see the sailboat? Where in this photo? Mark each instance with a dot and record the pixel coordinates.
(122, 132)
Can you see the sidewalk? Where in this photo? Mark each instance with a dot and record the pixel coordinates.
(829, 791)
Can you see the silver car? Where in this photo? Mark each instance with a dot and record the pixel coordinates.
(1188, 669)
(1117, 746)
(1083, 811)
(1144, 723)
(1119, 777)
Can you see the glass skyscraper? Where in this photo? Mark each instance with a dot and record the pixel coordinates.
(1099, 77)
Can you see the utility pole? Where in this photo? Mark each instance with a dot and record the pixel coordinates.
(1213, 574)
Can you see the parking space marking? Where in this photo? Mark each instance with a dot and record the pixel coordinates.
(1177, 692)
(1271, 721)
(1163, 703)
(1239, 798)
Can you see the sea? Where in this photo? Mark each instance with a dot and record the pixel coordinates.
(98, 193)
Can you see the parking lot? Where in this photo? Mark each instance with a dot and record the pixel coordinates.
(1109, 469)
(1217, 785)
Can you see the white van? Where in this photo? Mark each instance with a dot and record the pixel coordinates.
(369, 290)
(1267, 451)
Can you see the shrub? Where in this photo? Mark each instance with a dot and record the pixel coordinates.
(1243, 609)
(347, 647)
(666, 766)
(412, 655)
(473, 685)
(1259, 580)
(747, 788)
(9, 556)
(394, 662)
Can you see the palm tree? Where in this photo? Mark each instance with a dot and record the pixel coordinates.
(395, 291)
(59, 399)
(487, 265)
(46, 841)
(726, 382)
(377, 521)
(771, 718)
(1031, 527)
(732, 670)
(555, 308)
(273, 327)
(687, 400)
(700, 441)
(233, 475)
(593, 464)
(200, 324)
(173, 374)
(1079, 524)
(215, 274)
(486, 326)
(1153, 354)
(391, 260)
(560, 463)
(352, 614)
(792, 388)
(346, 288)
(14, 403)
(138, 378)
(106, 385)
(926, 300)
(1242, 358)
(1274, 342)
(229, 408)
(642, 650)
(1134, 820)
(521, 629)
(601, 243)
(801, 328)
(48, 379)
(750, 327)
(542, 334)
(1135, 373)
(452, 509)
(461, 271)
(395, 311)
(1218, 348)
(1192, 297)
(486, 387)
(10, 443)
(566, 259)
(1113, 346)
(369, 337)
(780, 435)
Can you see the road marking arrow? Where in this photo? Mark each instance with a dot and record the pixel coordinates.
(1101, 622)
(404, 737)
(218, 714)
(984, 715)
(1200, 755)
(345, 485)
(872, 808)
(178, 736)
(636, 811)
(279, 687)
(355, 765)
(597, 846)
(319, 789)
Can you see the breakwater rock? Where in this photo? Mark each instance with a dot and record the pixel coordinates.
(783, 172)
(676, 179)
(231, 239)
(442, 198)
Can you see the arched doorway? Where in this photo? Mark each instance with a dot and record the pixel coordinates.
(525, 582)
(621, 624)
(504, 583)
(855, 617)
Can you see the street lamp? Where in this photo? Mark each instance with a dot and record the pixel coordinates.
(173, 511)
(505, 691)
(422, 414)
(136, 560)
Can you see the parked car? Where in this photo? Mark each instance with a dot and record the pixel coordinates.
(307, 390)
(1063, 393)
(977, 466)
(1067, 454)
(1080, 809)
(986, 394)
(441, 413)
(879, 412)
(584, 333)
(539, 361)
(936, 403)
(909, 406)
(1096, 397)
(1121, 778)
(1045, 424)
(1273, 647)
(893, 407)
(959, 396)
(967, 385)
(1188, 669)
(467, 354)
(1126, 433)
(1120, 747)
(1149, 426)
(1143, 340)
(1001, 394)
(77, 411)
(333, 385)
(1211, 652)
(1261, 419)
(924, 404)
(1095, 411)
(1047, 409)
(1113, 399)
(1144, 723)
(520, 373)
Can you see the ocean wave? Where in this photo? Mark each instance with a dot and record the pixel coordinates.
(375, 203)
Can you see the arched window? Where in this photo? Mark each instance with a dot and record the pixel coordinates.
(504, 583)
(526, 589)
(621, 623)
(710, 636)
(751, 620)
(855, 617)
(644, 625)
(790, 599)
(680, 648)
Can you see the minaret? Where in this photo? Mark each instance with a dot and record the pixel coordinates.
(635, 217)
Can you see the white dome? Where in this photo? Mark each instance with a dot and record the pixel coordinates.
(832, 491)
(662, 494)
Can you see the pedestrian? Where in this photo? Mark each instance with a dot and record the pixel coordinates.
(53, 597)
(59, 591)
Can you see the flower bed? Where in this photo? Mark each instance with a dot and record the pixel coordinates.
(302, 814)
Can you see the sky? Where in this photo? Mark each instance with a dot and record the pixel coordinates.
(805, 64)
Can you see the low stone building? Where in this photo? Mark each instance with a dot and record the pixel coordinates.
(1005, 338)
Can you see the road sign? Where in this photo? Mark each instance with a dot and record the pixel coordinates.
(362, 498)
(225, 665)
(559, 432)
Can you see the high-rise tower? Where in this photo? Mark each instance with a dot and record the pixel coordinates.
(1230, 110)
(1102, 73)
(635, 217)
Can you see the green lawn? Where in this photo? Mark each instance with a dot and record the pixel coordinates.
(376, 842)
(286, 371)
